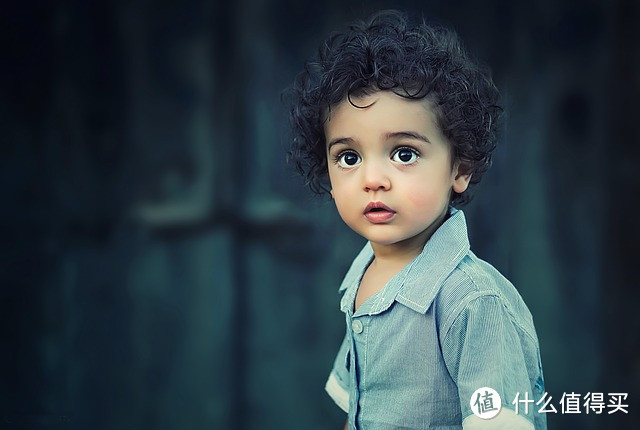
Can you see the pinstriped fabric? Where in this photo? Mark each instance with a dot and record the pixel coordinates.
(444, 326)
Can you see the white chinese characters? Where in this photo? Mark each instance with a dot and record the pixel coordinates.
(485, 403)
(574, 403)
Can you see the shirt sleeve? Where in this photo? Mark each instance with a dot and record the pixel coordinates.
(337, 385)
(484, 347)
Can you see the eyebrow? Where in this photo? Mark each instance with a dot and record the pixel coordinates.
(340, 140)
(387, 136)
(406, 134)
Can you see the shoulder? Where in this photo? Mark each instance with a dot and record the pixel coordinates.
(476, 287)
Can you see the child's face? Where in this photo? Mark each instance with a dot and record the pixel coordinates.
(391, 153)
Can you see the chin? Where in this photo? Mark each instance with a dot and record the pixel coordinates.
(383, 240)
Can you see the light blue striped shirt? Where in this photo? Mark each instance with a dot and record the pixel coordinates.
(444, 326)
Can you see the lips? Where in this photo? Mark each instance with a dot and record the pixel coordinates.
(378, 212)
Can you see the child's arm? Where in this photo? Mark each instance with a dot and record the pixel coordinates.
(338, 383)
(487, 346)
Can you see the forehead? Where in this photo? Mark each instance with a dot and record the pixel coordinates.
(381, 111)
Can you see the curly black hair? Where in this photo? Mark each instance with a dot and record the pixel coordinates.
(385, 52)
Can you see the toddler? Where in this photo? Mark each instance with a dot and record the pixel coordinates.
(396, 122)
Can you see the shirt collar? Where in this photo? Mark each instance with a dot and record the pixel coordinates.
(417, 284)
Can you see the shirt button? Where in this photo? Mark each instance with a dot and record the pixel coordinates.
(357, 326)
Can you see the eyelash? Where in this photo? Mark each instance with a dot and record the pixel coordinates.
(406, 148)
(340, 155)
(336, 159)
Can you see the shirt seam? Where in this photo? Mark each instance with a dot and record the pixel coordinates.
(436, 285)
(378, 303)
(476, 295)
(504, 304)
(364, 373)
(458, 310)
(411, 301)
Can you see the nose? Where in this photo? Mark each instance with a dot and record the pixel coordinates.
(375, 178)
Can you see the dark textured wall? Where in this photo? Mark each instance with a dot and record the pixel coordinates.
(162, 267)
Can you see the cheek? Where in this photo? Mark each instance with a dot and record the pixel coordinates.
(340, 193)
(424, 200)
(349, 213)
(341, 184)
(336, 178)
(428, 193)
(343, 199)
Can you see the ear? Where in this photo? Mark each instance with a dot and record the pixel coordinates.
(331, 192)
(460, 178)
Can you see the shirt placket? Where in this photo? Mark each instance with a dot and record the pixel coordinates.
(357, 362)
(354, 394)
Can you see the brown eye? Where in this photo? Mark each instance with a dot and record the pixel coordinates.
(348, 159)
(405, 156)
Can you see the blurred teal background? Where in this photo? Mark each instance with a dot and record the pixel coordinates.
(163, 268)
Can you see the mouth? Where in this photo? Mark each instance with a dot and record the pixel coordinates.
(377, 212)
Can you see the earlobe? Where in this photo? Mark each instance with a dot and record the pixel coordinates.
(460, 180)
(460, 183)
(331, 192)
